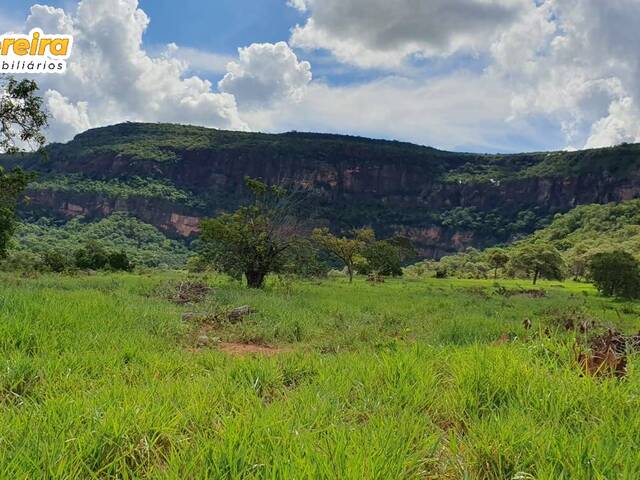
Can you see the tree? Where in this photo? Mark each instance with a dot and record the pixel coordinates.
(91, 257)
(497, 258)
(616, 274)
(119, 261)
(22, 117)
(385, 257)
(11, 186)
(21, 120)
(56, 261)
(255, 240)
(539, 260)
(344, 249)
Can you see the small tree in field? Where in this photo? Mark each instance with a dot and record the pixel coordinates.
(347, 250)
(385, 257)
(21, 121)
(616, 274)
(539, 260)
(255, 240)
(497, 258)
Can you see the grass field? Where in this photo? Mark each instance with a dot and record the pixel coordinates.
(100, 377)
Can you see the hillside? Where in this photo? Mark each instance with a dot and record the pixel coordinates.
(589, 229)
(170, 176)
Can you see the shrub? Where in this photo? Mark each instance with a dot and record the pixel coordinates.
(56, 261)
(119, 261)
(616, 274)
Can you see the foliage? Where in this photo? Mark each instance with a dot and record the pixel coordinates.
(471, 263)
(385, 257)
(497, 258)
(347, 250)
(21, 122)
(616, 274)
(121, 188)
(538, 260)
(11, 186)
(144, 245)
(92, 256)
(22, 117)
(255, 240)
(399, 380)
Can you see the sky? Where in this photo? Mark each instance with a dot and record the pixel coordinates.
(465, 75)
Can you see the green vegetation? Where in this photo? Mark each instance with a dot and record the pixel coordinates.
(11, 186)
(100, 378)
(22, 117)
(117, 188)
(575, 237)
(21, 121)
(616, 274)
(617, 161)
(346, 250)
(256, 240)
(143, 244)
(538, 260)
(389, 186)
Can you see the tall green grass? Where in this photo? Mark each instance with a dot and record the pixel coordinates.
(400, 380)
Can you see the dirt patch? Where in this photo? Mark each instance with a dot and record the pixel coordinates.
(248, 349)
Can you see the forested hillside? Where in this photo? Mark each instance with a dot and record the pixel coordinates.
(171, 176)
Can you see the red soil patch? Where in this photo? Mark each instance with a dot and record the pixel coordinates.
(244, 349)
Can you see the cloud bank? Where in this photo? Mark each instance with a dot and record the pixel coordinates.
(111, 78)
(470, 74)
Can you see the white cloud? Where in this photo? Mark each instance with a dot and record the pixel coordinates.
(199, 60)
(111, 78)
(572, 63)
(381, 33)
(264, 73)
(298, 4)
(576, 62)
(456, 112)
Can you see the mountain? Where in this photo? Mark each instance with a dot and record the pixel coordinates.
(170, 176)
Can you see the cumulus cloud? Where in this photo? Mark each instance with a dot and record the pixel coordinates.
(111, 78)
(576, 62)
(380, 33)
(265, 73)
(571, 63)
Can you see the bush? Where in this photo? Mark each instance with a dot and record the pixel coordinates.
(94, 256)
(616, 274)
(91, 257)
(119, 261)
(56, 261)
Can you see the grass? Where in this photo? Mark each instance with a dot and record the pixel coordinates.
(400, 380)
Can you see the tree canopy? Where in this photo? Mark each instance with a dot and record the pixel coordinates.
(22, 119)
(538, 260)
(616, 274)
(255, 240)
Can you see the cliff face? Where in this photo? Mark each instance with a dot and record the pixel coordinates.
(444, 201)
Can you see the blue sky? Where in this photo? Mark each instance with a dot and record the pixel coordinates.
(474, 75)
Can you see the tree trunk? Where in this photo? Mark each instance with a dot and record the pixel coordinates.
(495, 273)
(350, 272)
(255, 279)
(535, 277)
